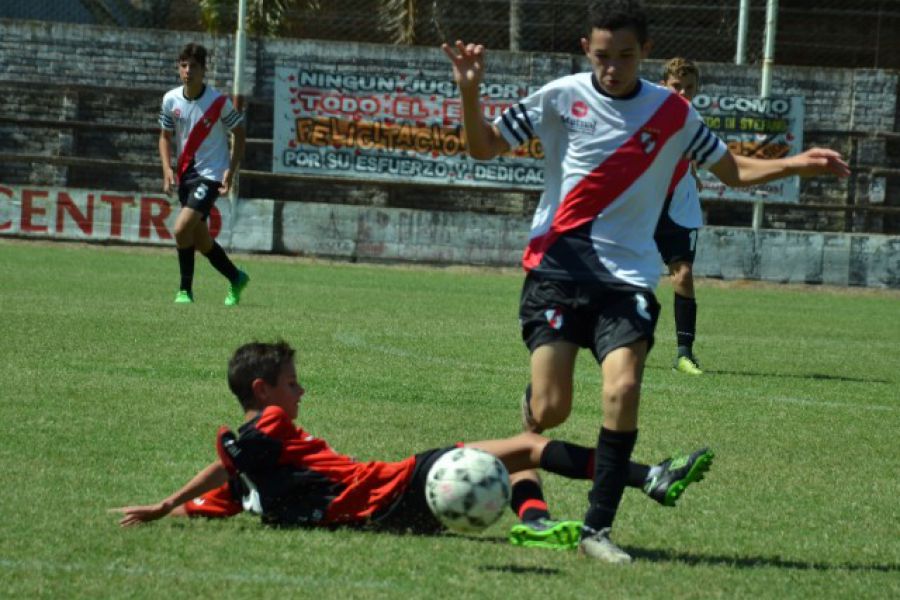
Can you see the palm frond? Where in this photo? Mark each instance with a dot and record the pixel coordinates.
(398, 19)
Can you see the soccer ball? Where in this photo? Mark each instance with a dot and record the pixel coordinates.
(467, 489)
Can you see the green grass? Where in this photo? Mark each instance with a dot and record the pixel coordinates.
(111, 395)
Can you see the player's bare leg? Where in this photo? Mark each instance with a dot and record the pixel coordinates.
(548, 405)
(622, 370)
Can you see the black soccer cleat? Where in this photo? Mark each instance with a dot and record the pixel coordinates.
(673, 475)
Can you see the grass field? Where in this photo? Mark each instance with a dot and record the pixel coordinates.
(111, 395)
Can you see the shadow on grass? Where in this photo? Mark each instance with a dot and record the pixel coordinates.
(520, 570)
(754, 562)
(813, 376)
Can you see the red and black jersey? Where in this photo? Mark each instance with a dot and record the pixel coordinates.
(301, 480)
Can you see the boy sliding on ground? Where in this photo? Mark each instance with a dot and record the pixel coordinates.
(199, 116)
(612, 143)
(297, 479)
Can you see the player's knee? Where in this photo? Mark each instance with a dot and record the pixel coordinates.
(183, 235)
(624, 392)
(549, 416)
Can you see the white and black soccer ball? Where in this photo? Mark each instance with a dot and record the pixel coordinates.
(467, 489)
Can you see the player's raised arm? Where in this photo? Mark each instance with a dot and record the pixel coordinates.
(482, 138)
(738, 171)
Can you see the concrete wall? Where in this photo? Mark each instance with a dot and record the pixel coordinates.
(134, 67)
(370, 233)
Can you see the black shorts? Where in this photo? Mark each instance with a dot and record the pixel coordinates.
(411, 513)
(593, 316)
(675, 243)
(199, 194)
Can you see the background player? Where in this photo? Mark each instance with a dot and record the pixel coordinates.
(611, 142)
(301, 480)
(679, 223)
(199, 116)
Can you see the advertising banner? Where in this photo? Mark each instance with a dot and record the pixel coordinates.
(105, 216)
(393, 119)
(758, 127)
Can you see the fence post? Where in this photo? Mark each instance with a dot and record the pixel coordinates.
(740, 55)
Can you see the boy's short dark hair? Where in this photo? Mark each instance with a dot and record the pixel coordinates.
(680, 68)
(195, 51)
(256, 360)
(619, 14)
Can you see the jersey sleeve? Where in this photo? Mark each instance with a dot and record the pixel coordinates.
(704, 148)
(166, 120)
(525, 119)
(276, 423)
(217, 503)
(231, 117)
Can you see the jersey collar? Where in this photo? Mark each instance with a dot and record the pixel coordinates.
(197, 97)
(632, 94)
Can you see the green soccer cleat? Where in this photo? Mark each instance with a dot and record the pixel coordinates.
(234, 292)
(184, 297)
(668, 480)
(597, 545)
(687, 364)
(546, 533)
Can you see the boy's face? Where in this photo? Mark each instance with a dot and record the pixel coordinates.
(190, 72)
(616, 58)
(685, 86)
(286, 393)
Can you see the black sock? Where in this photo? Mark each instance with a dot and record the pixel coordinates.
(685, 323)
(568, 460)
(610, 475)
(527, 501)
(637, 475)
(577, 462)
(222, 263)
(186, 267)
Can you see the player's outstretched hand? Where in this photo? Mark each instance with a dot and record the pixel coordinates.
(468, 63)
(135, 515)
(820, 161)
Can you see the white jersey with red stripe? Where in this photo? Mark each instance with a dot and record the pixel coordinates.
(684, 209)
(608, 165)
(180, 115)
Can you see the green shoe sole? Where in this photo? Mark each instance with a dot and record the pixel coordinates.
(565, 535)
(699, 468)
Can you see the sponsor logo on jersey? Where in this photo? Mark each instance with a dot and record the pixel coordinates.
(554, 318)
(579, 109)
(579, 125)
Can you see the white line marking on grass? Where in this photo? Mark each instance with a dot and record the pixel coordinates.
(239, 577)
(357, 341)
(830, 404)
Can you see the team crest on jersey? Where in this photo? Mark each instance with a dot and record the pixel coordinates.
(648, 139)
(177, 113)
(554, 318)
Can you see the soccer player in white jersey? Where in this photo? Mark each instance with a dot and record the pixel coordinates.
(612, 142)
(679, 223)
(200, 117)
